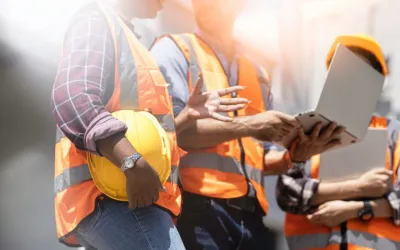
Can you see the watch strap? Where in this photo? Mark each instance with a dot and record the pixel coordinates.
(367, 213)
(134, 158)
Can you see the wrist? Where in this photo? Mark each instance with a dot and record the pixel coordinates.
(353, 209)
(137, 163)
(292, 153)
(243, 126)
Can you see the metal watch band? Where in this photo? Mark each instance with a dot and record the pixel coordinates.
(129, 162)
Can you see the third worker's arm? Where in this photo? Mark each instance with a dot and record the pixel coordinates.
(333, 213)
(298, 193)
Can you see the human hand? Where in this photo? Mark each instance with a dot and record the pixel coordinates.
(203, 105)
(333, 213)
(375, 183)
(305, 146)
(142, 185)
(272, 125)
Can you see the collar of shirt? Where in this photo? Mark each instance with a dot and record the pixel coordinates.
(231, 70)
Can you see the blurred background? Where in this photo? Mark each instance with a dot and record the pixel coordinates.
(291, 37)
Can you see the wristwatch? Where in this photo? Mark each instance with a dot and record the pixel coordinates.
(129, 162)
(366, 213)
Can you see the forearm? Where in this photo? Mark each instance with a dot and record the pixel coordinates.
(209, 132)
(381, 208)
(344, 190)
(116, 148)
(276, 162)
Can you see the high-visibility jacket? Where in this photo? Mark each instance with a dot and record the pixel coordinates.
(225, 170)
(379, 234)
(75, 191)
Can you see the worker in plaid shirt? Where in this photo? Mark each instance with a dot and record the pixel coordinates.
(333, 204)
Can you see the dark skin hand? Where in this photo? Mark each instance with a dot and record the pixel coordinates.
(142, 185)
(142, 181)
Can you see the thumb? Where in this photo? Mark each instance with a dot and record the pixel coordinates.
(289, 119)
(315, 217)
(381, 171)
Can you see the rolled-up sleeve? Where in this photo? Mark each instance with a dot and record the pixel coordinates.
(294, 191)
(394, 201)
(174, 68)
(81, 82)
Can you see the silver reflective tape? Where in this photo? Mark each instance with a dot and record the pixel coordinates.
(308, 241)
(361, 239)
(167, 122)
(368, 240)
(70, 177)
(255, 174)
(174, 176)
(222, 163)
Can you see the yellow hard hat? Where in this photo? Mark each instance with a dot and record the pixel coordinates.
(361, 41)
(148, 138)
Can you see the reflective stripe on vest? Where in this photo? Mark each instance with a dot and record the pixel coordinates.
(167, 122)
(224, 164)
(71, 176)
(356, 238)
(76, 175)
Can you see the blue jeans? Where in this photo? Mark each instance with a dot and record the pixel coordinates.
(210, 224)
(113, 226)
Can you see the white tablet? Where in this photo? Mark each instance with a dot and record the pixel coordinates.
(352, 161)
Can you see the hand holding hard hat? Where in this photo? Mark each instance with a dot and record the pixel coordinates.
(152, 170)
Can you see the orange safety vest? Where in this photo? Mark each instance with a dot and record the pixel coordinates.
(354, 234)
(75, 191)
(218, 171)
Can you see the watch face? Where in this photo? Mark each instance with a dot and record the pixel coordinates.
(367, 216)
(129, 163)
